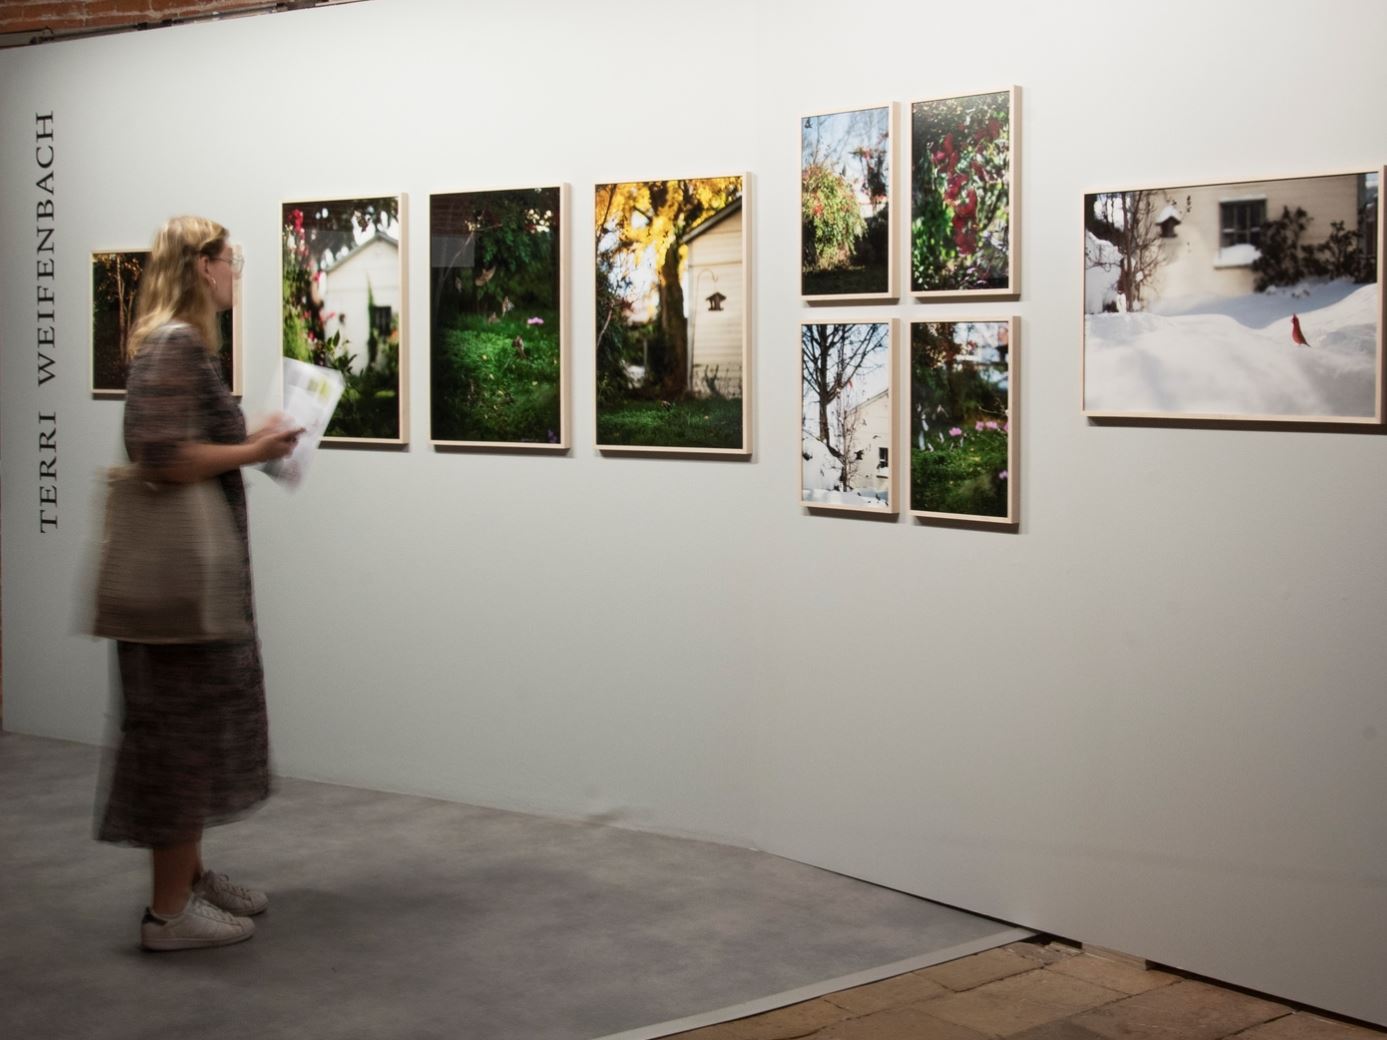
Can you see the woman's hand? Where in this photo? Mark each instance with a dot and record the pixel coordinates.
(274, 440)
(201, 460)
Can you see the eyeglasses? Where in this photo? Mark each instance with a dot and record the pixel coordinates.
(235, 261)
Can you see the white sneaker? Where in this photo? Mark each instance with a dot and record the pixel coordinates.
(199, 925)
(218, 890)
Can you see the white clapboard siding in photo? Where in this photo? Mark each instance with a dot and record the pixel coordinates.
(714, 267)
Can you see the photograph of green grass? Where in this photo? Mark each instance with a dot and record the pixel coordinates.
(961, 420)
(963, 206)
(671, 316)
(343, 296)
(115, 290)
(497, 362)
(847, 242)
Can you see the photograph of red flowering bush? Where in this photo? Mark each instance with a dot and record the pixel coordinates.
(343, 300)
(845, 205)
(962, 203)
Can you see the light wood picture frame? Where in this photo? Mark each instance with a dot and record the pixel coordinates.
(962, 428)
(1235, 301)
(499, 364)
(849, 416)
(345, 304)
(672, 295)
(848, 204)
(114, 286)
(965, 204)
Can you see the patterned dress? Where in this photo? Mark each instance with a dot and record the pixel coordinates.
(194, 748)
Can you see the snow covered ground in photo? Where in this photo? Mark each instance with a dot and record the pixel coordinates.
(820, 477)
(1235, 355)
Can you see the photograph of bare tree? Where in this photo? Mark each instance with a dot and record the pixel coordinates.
(847, 240)
(115, 291)
(497, 363)
(1252, 300)
(848, 415)
(343, 296)
(963, 211)
(672, 326)
(961, 420)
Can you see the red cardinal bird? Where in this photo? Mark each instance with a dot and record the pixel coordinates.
(1297, 337)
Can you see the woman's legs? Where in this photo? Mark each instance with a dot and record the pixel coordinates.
(176, 870)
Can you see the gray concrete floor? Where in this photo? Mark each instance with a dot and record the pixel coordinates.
(396, 916)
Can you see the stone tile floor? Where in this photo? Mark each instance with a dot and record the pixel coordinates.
(1038, 990)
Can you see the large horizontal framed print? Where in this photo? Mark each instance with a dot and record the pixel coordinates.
(344, 307)
(962, 429)
(115, 283)
(1236, 301)
(672, 311)
(964, 206)
(498, 364)
(847, 213)
(848, 416)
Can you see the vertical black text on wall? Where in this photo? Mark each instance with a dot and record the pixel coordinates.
(46, 327)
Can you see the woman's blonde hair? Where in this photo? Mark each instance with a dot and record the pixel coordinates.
(172, 288)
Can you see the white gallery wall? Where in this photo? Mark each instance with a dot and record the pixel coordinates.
(1153, 718)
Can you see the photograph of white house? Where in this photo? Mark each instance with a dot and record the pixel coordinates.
(343, 297)
(361, 289)
(1246, 300)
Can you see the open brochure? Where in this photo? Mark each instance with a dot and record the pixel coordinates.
(311, 393)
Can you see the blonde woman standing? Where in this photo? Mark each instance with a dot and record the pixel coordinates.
(194, 748)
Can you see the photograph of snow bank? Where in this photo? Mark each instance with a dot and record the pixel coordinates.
(1246, 301)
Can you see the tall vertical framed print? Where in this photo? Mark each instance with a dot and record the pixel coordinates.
(344, 306)
(964, 204)
(847, 205)
(672, 310)
(498, 362)
(962, 429)
(848, 416)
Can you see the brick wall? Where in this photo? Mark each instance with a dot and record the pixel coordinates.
(46, 19)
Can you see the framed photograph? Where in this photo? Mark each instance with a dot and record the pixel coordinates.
(1239, 301)
(498, 363)
(344, 307)
(848, 415)
(847, 216)
(963, 419)
(115, 286)
(673, 316)
(964, 207)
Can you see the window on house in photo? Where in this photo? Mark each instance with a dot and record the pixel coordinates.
(380, 322)
(1367, 220)
(380, 331)
(883, 458)
(1242, 222)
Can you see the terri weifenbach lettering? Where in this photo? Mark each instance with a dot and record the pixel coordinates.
(45, 325)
